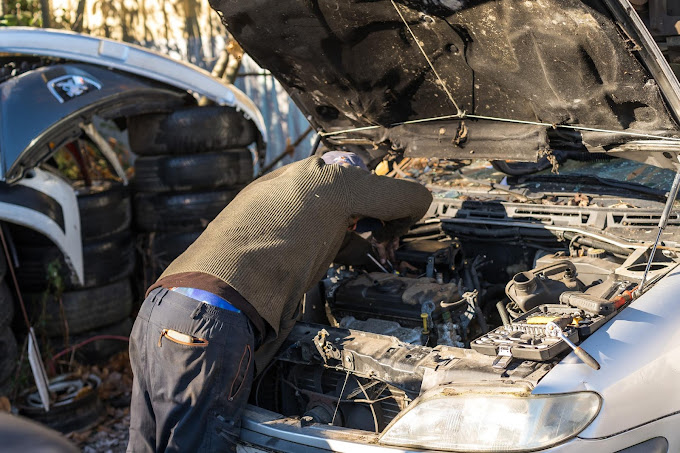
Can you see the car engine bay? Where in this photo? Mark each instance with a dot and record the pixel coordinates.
(466, 309)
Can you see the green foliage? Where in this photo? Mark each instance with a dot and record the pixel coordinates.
(67, 165)
(55, 288)
(24, 13)
(95, 164)
(54, 278)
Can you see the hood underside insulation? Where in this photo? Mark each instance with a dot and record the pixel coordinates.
(354, 64)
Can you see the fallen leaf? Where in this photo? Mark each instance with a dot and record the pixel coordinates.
(5, 405)
(579, 200)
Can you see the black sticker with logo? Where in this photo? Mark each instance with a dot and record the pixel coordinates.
(67, 87)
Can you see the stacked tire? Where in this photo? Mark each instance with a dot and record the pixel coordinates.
(72, 312)
(8, 343)
(190, 164)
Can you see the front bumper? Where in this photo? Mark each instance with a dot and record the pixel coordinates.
(265, 431)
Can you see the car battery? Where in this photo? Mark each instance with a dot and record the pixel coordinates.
(526, 337)
(393, 297)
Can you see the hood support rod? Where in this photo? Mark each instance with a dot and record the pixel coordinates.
(663, 221)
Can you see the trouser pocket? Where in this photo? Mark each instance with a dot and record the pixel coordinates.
(181, 338)
(243, 373)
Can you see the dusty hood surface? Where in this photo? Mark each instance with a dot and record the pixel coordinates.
(354, 64)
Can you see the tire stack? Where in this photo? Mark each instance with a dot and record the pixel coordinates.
(70, 312)
(190, 164)
(8, 343)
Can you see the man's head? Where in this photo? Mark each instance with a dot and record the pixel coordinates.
(344, 158)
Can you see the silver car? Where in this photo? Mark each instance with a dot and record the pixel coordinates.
(532, 309)
(535, 313)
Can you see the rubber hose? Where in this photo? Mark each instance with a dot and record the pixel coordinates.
(480, 319)
(589, 242)
(503, 312)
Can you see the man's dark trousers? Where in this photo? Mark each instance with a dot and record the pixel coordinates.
(188, 396)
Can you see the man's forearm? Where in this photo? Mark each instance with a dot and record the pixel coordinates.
(386, 198)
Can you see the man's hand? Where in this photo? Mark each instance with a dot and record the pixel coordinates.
(386, 249)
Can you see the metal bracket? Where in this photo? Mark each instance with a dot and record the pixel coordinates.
(471, 297)
(348, 361)
(326, 349)
(429, 270)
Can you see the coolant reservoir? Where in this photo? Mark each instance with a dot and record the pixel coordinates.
(543, 285)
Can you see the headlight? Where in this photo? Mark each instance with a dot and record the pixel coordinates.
(443, 419)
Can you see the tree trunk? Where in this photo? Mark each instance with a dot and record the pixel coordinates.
(46, 11)
(80, 12)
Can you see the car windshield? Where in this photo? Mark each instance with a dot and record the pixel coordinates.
(620, 170)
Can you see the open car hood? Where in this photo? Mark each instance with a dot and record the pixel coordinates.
(568, 74)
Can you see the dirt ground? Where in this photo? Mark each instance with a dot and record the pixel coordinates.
(109, 433)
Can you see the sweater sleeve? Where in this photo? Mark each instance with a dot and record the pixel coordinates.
(397, 202)
(353, 250)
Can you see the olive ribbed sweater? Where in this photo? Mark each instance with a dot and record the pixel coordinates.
(276, 239)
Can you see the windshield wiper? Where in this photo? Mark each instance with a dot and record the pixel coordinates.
(657, 194)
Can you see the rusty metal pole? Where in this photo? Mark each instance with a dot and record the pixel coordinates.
(289, 150)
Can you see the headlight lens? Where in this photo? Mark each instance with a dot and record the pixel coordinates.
(487, 422)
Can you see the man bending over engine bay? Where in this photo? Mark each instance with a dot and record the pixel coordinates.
(227, 303)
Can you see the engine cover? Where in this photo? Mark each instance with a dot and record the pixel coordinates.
(392, 297)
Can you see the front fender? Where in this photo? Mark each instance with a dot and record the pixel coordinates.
(47, 204)
(130, 58)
